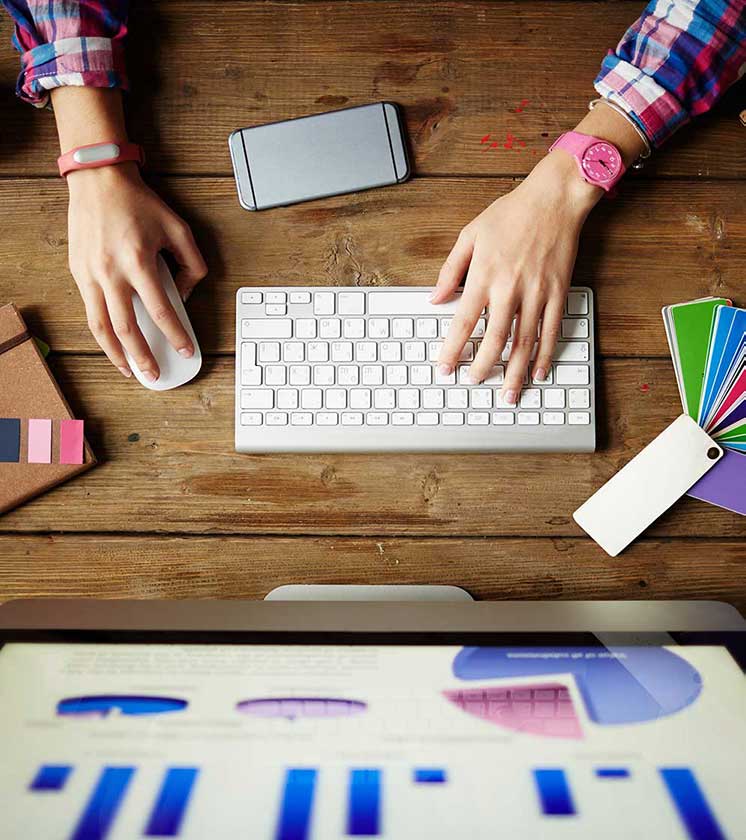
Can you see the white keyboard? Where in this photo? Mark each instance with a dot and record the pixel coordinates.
(350, 369)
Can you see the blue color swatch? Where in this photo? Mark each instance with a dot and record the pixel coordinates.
(618, 684)
(554, 793)
(297, 804)
(429, 775)
(612, 773)
(102, 807)
(171, 804)
(364, 804)
(691, 804)
(10, 440)
(51, 777)
(101, 705)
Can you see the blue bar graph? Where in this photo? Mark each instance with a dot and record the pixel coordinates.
(51, 777)
(554, 793)
(104, 803)
(297, 804)
(612, 773)
(429, 775)
(691, 804)
(171, 804)
(364, 804)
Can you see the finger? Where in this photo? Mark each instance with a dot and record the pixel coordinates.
(495, 337)
(148, 285)
(454, 268)
(550, 330)
(99, 324)
(192, 266)
(122, 314)
(462, 326)
(520, 353)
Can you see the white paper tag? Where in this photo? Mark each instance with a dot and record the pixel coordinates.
(648, 485)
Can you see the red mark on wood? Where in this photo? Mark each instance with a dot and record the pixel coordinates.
(485, 138)
(519, 109)
(644, 387)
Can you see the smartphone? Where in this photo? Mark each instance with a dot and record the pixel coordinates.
(325, 154)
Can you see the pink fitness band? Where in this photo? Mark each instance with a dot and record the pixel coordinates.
(99, 154)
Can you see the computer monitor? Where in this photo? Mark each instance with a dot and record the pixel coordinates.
(313, 721)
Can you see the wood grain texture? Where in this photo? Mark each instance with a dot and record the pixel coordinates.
(104, 566)
(459, 70)
(169, 466)
(656, 244)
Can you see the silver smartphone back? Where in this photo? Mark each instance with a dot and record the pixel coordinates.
(325, 154)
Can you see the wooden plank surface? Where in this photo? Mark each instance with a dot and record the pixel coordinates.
(169, 466)
(209, 567)
(459, 70)
(656, 244)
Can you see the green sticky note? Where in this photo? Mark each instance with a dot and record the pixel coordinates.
(43, 347)
(693, 326)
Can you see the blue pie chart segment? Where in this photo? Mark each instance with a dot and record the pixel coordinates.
(618, 685)
(102, 705)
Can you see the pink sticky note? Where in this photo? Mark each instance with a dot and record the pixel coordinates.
(71, 441)
(40, 441)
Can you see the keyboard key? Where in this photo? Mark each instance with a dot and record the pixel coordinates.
(390, 351)
(318, 351)
(409, 398)
(500, 401)
(266, 328)
(336, 398)
(531, 398)
(426, 328)
(427, 418)
(572, 374)
(330, 328)
(377, 418)
(251, 418)
(548, 379)
(257, 398)
(445, 325)
(553, 418)
(405, 303)
(496, 377)
(467, 352)
(378, 328)
(302, 418)
(287, 398)
(351, 303)
(269, 351)
(433, 398)
(342, 351)
(300, 375)
(457, 398)
(251, 376)
(372, 375)
(433, 350)
(464, 375)
(276, 418)
(311, 398)
(300, 297)
(366, 351)
(478, 418)
(251, 297)
(503, 418)
(579, 418)
(348, 375)
(444, 378)
(571, 351)
(248, 354)
(360, 398)
(554, 398)
(479, 328)
(579, 398)
(353, 328)
(577, 303)
(574, 328)
(276, 297)
(275, 375)
(420, 375)
(384, 398)
(402, 418)
(323, 303)
(327, 418)
(396, 375)
(453, 418)
(305, 328)
(352, 418)
(293, 351)
(528, 418)
(276, 309)
(481, 398)
(402, 328)
(323, 375)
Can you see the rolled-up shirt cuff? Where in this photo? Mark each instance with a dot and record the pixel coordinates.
(654, 109)
(82, 61)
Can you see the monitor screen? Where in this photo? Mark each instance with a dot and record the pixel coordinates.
(516, 736)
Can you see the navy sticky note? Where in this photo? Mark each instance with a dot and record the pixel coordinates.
(10, 439)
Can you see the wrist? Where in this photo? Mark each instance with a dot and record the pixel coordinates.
(558, 179)
(103, 177)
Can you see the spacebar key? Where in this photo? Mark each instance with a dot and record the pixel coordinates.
(266, 328)
(408, 303)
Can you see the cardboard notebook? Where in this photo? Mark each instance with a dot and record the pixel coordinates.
(28, 390)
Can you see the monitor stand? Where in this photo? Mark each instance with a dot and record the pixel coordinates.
(383, 592)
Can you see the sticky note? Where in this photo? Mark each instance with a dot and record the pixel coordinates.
(10, 440)
(71, 441)
(39, 441)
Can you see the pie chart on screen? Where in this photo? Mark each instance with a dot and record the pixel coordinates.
(617, 686)
(130, 705)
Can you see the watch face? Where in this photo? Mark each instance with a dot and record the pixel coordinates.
(602, 162)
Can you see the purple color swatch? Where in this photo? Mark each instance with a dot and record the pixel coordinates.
(725, 484)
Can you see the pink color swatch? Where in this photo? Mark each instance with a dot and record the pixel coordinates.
(71, 441)
(40, 442)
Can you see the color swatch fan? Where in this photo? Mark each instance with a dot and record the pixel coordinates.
(707, 338)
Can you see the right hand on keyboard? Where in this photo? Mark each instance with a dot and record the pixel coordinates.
(518, 256)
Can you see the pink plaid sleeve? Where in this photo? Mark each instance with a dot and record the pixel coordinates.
(68, 42)
(675, 62)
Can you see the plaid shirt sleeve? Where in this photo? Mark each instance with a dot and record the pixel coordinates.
(68, 42)
(675, 62)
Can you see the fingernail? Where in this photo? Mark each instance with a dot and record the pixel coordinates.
(510, 397)
(149, 375)
(540, 373)
(186, 352)
(125, 372)
(471, 379)
(185, 294)
(444, 370)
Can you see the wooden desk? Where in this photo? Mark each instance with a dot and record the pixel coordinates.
(173, 511)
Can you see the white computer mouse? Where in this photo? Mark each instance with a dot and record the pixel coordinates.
(175, 370)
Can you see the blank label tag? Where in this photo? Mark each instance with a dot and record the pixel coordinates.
(648, 485)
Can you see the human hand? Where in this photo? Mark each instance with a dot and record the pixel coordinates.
(116, 227)
(518, 256)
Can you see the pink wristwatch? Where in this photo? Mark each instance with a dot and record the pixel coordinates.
(599, 161)
(99, 154)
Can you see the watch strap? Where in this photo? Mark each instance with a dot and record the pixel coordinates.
(99, 154)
